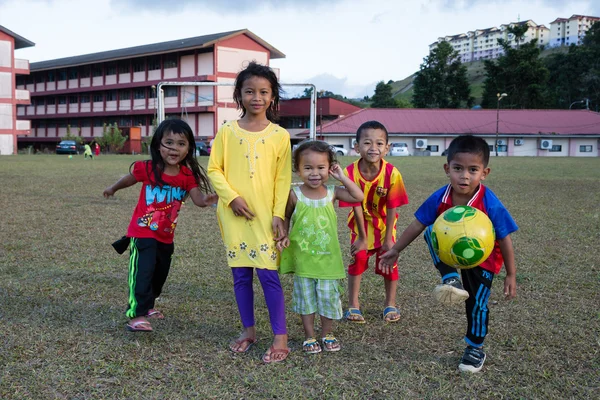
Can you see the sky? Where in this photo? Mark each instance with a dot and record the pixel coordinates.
(344, 46)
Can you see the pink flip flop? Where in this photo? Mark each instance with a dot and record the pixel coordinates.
(139, 326)
(240, 342)
(272, 351)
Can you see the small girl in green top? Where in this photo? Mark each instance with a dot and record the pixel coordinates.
(312, 250)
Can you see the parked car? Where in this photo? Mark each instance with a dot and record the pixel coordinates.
(339, 149)
(399, 149)
(202, 149)
(66, 147)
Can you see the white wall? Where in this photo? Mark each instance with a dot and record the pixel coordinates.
(206, 126)
(6, 85)
(528, 148)
(234, 60)
(205, 64)
(5, 55)
(225, 93)
(6, 116)
(6, 144)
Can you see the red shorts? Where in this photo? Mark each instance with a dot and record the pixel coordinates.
(361, 264)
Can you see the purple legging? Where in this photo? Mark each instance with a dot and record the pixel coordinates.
(244, 295)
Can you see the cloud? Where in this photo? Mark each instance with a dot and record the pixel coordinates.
(592, 5)
(341, 86)
(231, 6)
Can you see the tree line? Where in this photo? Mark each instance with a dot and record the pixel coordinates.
(558, 81)
(529, 81)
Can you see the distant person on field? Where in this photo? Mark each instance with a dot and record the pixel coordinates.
(314, 255)
(250, 169)
(87, 152)
(172, 174)
(97, 149)
(466, 167)
(373, 222)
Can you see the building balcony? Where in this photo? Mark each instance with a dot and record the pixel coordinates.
(21, 66)
(22, 97)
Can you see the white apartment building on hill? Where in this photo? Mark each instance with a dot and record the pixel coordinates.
(483, 43)
(568, 31)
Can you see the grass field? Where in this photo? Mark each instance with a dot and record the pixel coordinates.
(63, 296)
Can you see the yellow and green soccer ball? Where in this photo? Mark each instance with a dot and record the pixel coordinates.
(463, 237)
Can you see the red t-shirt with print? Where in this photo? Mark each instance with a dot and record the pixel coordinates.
(155, 215)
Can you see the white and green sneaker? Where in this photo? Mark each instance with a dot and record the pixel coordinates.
(451, 291)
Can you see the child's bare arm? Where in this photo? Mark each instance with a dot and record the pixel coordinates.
(351, 193)
(289, 210)
(361, 242)
(508, 253)
(202, 200)
(410, 233)
(125, 182)
(390, 219)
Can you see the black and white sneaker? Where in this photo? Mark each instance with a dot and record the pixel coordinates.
(451, 291)
(472, 360)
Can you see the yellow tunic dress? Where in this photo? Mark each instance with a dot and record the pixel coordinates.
(256, 166)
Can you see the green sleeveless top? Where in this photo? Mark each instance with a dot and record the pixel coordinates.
(314, 250)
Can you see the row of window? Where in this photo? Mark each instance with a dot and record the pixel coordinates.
(124, 67)
(75, 123)
(98, 97)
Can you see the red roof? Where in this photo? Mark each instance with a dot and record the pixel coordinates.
(325, 106)
(455, 122)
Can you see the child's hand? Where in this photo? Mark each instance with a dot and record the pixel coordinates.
(336, 171)
(283, 244)
(240, 208)
(387, 245)
(108, 192)
(211, 199)
(278, 229)
(387, 261)
(358, 245)
(510, 286)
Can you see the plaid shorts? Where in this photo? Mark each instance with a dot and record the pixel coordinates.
(317, 295)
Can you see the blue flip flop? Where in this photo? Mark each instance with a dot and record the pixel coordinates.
(354, 312)
(389, 310)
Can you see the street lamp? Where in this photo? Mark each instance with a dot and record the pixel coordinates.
(586, 101)
(500, 97)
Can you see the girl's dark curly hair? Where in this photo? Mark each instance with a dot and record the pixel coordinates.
(262, 71)
(316, 146)
(157, 164)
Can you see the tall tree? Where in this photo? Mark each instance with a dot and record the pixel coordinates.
(382, 98)
(575, 76)
(442, 80)
(519, 73)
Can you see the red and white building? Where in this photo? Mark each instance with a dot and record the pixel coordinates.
(294, 114)
(546, 133)
(12, 69)
(118, 86)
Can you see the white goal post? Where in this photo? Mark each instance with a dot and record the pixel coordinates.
(160, 99)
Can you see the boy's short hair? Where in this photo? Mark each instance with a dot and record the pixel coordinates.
(371, 125)
(469, 144)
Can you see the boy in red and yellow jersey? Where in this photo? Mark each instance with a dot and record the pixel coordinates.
(373, 223)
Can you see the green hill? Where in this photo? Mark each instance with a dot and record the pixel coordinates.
(475, 74)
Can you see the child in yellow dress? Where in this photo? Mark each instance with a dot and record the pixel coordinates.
(250, 169)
